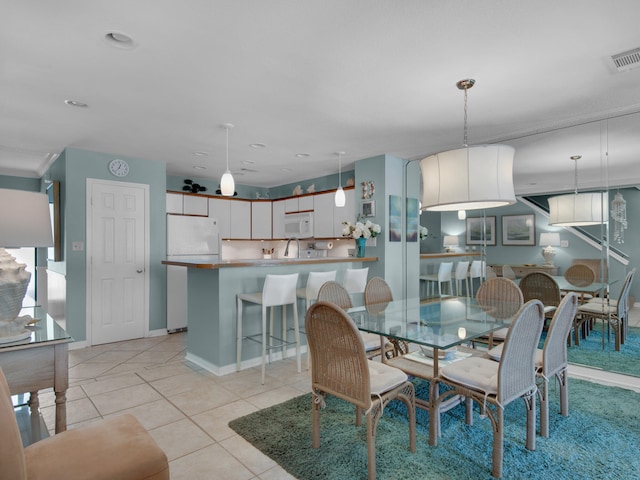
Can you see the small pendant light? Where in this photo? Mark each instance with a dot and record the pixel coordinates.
(227, 185)
(340, 197)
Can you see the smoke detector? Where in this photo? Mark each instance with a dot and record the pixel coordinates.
(626, 61)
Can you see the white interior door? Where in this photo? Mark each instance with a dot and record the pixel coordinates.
(117, 258)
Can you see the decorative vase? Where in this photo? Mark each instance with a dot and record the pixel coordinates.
(360, 244)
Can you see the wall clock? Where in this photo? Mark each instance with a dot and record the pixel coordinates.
(119, 168)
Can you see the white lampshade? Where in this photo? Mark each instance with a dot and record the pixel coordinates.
(469, 178)
(24, 219)
(577, 209)
(450, 241)
(227, 185)
(550, 238)
(340, 198)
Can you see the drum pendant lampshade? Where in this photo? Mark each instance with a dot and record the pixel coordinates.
(469, 178)
(577, 209)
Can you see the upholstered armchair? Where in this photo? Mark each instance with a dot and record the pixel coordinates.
(118, 448)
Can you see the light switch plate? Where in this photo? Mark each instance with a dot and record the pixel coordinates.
(77, 246)
(564, 243)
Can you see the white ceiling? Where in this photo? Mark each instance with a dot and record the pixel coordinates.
(361, 76)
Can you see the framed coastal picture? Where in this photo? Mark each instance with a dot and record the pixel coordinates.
(413, 219)
(395, 218)
(519, 230)
(368, 208)
(481, 229)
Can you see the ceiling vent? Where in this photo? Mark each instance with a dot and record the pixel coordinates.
(626, 61)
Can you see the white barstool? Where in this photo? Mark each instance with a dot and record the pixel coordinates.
(443, 276)
(315, 280)
(355, 281)
(460, 275)
(476, 271)
(277, 290)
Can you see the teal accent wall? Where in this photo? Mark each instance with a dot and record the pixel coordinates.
(20, 183)
(73, 168)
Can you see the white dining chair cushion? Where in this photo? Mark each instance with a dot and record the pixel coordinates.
(255, 297)
(597, 309)
(599, 300)
(500, 334)
(476, 373)
(496, 352)
(371, 341)
(383, 378)
(550, 308)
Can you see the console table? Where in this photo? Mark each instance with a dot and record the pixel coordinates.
(522, 270)
(39, 362)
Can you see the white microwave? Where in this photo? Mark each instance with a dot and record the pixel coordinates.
(298, 225)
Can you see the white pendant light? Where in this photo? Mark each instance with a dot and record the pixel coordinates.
(227, 185)
(340, 198)
(468, 178)
(577, 209)
(462, 214)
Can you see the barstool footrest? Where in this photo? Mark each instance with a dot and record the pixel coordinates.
(258, 339)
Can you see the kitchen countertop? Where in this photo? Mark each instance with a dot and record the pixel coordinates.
(214, 261)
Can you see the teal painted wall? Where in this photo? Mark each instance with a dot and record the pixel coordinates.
(20, 183)
(75, 167)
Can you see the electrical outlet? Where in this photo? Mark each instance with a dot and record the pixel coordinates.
(564, 243)
(77, 246)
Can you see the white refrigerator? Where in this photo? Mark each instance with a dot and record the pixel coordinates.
(187, 236)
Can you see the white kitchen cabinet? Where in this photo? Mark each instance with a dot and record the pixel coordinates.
(344, 214)
(194, 205)
(291, 205)
(221, 211)
(240, 217)
(261, 220)
(174, 203)
(277, 213)
(306, 203)
(323, 215)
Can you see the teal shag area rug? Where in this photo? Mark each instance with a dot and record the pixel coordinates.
(591, 354)
(599, 440)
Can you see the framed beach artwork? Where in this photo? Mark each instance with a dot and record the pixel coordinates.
(395, 218)
(368, 208)
(413, 219)
(481, 228)
(519, 230)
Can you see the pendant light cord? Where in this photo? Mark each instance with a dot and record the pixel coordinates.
(227, 128)
(465, 142)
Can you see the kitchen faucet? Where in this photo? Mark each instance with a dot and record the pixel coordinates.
(286, 250)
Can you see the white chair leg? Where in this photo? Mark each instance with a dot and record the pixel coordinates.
(296, 330)
(264, 339)
(238, 333)
(284, 332)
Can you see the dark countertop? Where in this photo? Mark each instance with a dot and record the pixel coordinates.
(214, 261)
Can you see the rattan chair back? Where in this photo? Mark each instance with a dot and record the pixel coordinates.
(335, 293)
(580, 275)
(554, 352)
(540, 286)
(338, 358)
(516, 374)
(500, 296)
(490, 272)
(377, 295)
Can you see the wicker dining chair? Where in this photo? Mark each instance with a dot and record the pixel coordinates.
(338, 295)
(377, 295)
(615, 316)
(541, 286)
(507, 272)
(493, 385)
(502, 298)
(551, 359)
(339, 367)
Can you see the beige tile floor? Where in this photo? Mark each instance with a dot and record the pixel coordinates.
(186, 409)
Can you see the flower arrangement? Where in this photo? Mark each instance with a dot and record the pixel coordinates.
(365, 230)
(424, 233)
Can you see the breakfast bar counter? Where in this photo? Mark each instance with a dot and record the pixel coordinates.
(212, 286)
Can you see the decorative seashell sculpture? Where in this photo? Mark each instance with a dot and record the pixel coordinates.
(297, 190)
(14, 280)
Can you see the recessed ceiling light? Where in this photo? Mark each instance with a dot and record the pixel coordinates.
(257, 145)
(248, 162)
(200, 154)
(199, 167)
(303, 155)
(74, 103)
(120, 40)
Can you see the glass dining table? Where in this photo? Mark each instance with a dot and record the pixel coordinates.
(438, 331)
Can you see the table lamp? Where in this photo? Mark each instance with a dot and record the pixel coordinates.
(550, 239)
(450, 242)
(25, 221)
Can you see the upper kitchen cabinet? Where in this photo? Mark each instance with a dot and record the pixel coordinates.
(328, 218)
(234, 217)
(299, 204)
(187, 204)
(261, 220)
(278, 211)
